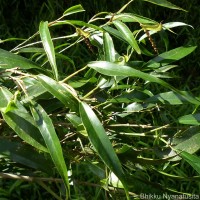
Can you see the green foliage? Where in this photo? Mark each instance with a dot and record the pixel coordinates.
(96, 108)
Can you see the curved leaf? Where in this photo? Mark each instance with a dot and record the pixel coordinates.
(26, 155)
(173, 98)
(73, 9)
(100, 141)
(170, 56)
(114, 32)
(109, 49)
(127, 34)
(194, 161)
(48, 46)
(112, 69)
(21, 122)
(165, 3)
(192, 119)
(130, 17)
(47, 130)
(60, 91)
(10, 60)
(187, 140)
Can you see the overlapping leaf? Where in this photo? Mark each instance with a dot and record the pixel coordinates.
(164, 3)
(60, 91)
(21, 121)
(48, 47)
(100, 141)
(51, 139)
(10, 60)
(127, 34)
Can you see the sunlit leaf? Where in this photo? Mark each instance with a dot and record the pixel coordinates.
(192, 119)
(51, 139)
(170, 56)
(187, 140)
(60, 91)
(112, 69)
(127, 34)
(173, 98)
(48, 47)
(73, 10)
(109, 49)
(100, 141)
(164, 3)
(21, 121)
(193, 160)
(10, 60)
(130, 17)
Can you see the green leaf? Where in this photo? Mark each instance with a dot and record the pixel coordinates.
(194, 161)
(130, 17)
(192, 119)
(63, 92)
(109, 49)
(127, 34)
(114, 32)
(9, 60)
(48, 47)
(100, 141)
(112, 69)
(170, 56)
(26, 155)
(173, 98)
(51, 139)
(73, 10)
(165, 3)
(21, 122)
(78, 23)
(187, 140)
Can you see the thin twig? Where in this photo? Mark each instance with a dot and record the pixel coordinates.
(29, 178)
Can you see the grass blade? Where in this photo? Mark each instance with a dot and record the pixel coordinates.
(48, 47)
(47, 130)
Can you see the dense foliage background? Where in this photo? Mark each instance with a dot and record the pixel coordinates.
(20, 20)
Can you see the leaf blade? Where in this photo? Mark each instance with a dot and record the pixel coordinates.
(47, 130)
(64, 94)
(127, 34)
(48, 47)
(100, 141)
(165, 3)
(73, 10)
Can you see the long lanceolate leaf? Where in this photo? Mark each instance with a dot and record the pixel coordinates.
(48, 47)
(10, 60)
(164, 3)
(47, 130)
(127, 34)
(194, 161)
(100, 141)
(20, 121)
(60, 91)
(112, 69)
